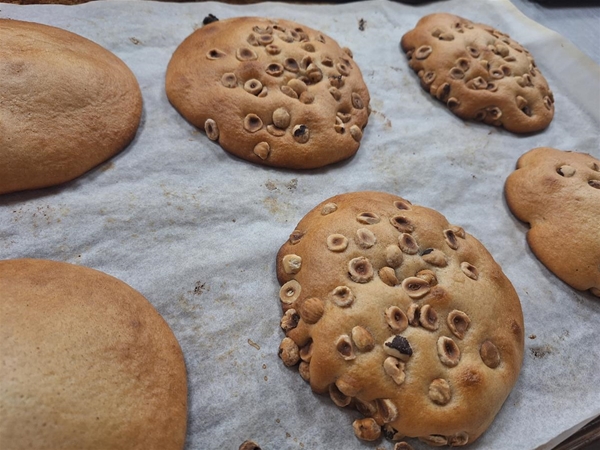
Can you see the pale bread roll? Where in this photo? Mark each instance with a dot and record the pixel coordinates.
(86, 362)
(68, 104)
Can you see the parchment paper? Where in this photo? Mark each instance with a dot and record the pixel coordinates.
(196, 231)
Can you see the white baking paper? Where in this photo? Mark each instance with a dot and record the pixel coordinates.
(196, 230)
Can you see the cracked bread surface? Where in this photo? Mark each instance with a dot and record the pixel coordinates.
(273, 92)
(68, 104)
(392, 310)
(558, 194)
(85, 362)
(479, 73)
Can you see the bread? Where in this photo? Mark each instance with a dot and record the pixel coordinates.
(392, 310)
(272, 92)
(479, 72)
(85, 363)
(558, 194)
(68, 104)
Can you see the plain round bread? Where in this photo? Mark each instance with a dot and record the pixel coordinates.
(392, 310)
(273, 92)
(68, 104)
(86, 362)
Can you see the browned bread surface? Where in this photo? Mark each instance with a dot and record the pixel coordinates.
(391, 309)
(479, 72)
(273, 92)
(558, 194)
(68, 104)
(85, 363)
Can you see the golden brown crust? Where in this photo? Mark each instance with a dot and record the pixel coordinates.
(558, 194)
(85, 362)
(402, 315)
(480, 73)
(68, 104)
(273, 92)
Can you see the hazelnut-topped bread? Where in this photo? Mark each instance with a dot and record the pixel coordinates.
(479, 72)
(558, 193)
(67, 105)
(392, 310)
(273, 92)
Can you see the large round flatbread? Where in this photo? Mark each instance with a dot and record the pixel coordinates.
(66, 105)
(391, 309)
(85, 363)
(273, 92)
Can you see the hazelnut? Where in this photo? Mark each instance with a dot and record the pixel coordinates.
(458, 322)
(290, 320)
(396, 319)
(292, 264)
(451, 239)
(469, 270)
(366, 429)
(423, 52)
(342, 296)
(281, 118)
(311, 310)
(395, 369)
(252, 123)
(301, 133)
(262, 150)
(398, 347)
(362, 339)
(344, 347)
(306, 352)
(402, 224)
(253, 86)
(489, 354)
(245, 54)
(435, 257)
(429, 318)
(368, 218)
(356, 133)
(415, 287)
(459, 439)
(290, 292)
(388, 276)
(365, 238)
(448, 351)
(393, 256)
(288, 352)
(439, 391)
(367, 409)
(229, 80)
(434, 440)
(328, 209)
(249, 445)
(387, 410)
(304, 370)
(408, 244)
(413, 313)
(212, 130)
(337, 242)
(337, 397)
(360, 270)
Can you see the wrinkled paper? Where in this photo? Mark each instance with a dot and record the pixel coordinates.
(196, 230)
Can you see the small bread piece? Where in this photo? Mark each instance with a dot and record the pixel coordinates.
(419, 330)
(273, 92)
(479, 72)
(68, 104)
(85, 363)
(558, 194)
